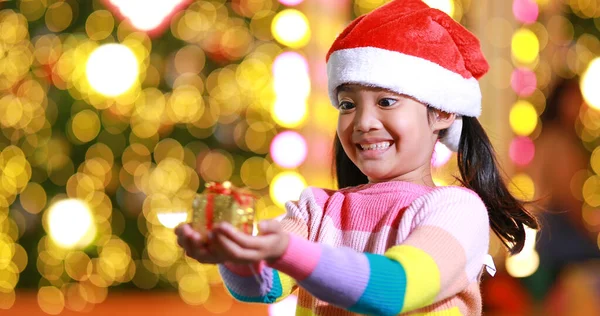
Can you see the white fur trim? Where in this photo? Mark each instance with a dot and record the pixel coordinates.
(452, 137)
(420, 78)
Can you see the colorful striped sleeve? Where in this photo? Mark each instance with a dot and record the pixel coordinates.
(442, 255)
(272, 285)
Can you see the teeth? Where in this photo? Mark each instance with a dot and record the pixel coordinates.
(377, 146)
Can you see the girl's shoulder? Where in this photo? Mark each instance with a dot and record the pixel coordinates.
(443, 198)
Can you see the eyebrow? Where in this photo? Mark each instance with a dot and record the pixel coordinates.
(344, 88)
(352, 88)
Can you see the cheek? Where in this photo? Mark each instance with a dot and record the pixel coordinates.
(344, 132)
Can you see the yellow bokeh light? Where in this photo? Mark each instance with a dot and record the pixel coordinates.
(523, 118)
(33, 198)
(289, 113)
(522, 187)
(7, 299)
(443, 5)
(70, 223)
(286, 186)
(290, 27)
(112, 69)
(59, 16)
(85, 125)
(591, 191)
(527, 261)
(525, 46)
(51, 300)
(590, 81)
(194, 288)
(99, 25)
(522, 266)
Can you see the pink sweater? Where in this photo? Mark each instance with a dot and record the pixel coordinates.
(386, 249)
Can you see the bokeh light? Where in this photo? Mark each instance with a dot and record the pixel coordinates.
(290, 27)
(526, 11)
(527, 261)
(525, 46)
(590, 81)
(99, 25)
(523, 118)
(285, 307)
(521, 150)
(70, 223)
(286, 186)
(441, 155)
(112, 69)
(523, 81)
(522, 186)
(289, 113)
(290, 75)
(170, 219)
(291, 3)
(446, 6)
(147, 15)
(288, 149)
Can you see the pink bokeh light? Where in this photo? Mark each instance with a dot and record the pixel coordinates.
(523, 81)
(441, 155)
(525, 11)
(288, 149)
(290, 3)
(521, 151)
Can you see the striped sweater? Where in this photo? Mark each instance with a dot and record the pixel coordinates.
(379, 249)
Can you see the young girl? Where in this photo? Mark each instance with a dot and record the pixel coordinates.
(388, 241)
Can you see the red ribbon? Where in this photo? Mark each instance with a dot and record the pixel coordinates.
(220, 188)
(209, 211)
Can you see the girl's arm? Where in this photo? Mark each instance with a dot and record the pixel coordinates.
(274, 285)
(443, 254)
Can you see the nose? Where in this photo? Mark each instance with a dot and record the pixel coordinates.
(367, 119)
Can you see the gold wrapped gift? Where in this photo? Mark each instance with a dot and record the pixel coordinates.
(222, 202)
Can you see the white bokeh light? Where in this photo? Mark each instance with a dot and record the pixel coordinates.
(70, 223)
(590, 81)
(288, 149)
(146, 15)
(112, 69)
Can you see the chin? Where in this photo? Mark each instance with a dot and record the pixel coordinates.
(375, 175)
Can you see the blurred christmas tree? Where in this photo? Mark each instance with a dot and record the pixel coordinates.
(105, 125)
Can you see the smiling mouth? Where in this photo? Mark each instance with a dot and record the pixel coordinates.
(375, 146)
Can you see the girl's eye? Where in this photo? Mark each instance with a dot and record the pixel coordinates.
(387, 102)
(346, 105)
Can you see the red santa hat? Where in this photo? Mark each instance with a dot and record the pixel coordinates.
(412, 49)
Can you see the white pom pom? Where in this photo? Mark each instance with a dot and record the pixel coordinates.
(452, 137)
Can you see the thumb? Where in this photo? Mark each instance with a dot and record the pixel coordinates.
(269, 227)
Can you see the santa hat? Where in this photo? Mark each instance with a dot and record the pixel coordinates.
(412, 49)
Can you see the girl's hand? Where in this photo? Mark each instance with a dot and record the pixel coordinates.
(226, 244)
(194, 245)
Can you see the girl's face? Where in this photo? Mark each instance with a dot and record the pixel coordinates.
(387, 135)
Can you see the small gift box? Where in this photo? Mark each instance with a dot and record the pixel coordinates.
(222, 202)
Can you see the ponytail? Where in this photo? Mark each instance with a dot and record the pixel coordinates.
(479, 172)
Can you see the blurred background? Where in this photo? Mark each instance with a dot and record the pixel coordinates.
(114, 113)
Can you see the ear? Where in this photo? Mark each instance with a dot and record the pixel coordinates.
(442, 120)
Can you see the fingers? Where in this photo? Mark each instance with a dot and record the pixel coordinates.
(228, 248)
(240, 238)
(269, 227)
(194, 245)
